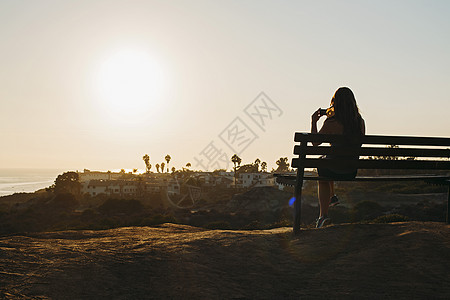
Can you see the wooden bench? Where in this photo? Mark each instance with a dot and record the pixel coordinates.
(371, 152)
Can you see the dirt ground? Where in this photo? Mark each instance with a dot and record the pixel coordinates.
(398, 260)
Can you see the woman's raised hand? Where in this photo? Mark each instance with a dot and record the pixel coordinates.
(316, 116)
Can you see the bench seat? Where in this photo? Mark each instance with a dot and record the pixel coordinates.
(290, 180)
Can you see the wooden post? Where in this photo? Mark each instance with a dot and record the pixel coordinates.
(298, 188)
(448, 204)
(298, 200)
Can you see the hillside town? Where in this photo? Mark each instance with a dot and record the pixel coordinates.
(134, 185)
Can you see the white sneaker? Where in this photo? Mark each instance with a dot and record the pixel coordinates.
(321, 221)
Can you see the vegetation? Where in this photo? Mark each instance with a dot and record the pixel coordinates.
(264, 166)
(283, 165)
(120, 206)
(257, 163)
(63, 207)
(67, 183)
(48, 211)
(167, 158)
(148, 166)
(249, 168)
(237, 162)
(391, 218)
(256, 166)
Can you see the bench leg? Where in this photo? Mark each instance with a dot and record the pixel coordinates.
(297, 212)
(298, 201)
(448, 204)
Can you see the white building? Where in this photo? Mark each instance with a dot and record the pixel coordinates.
(249, 180)
(114, 184)
(129, 188)
(88, 175)
(94, 187)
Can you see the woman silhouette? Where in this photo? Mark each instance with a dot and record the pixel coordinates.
(347, 120)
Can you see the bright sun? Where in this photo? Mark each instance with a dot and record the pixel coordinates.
(130, 83)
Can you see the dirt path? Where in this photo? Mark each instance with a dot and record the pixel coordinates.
(400, 260)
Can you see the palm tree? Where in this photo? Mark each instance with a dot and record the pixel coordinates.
(236, 161)
(173, 169)
(122, 172)
(257, 162)
(162, 167)
(167, 158)
(263, 166)
(283, 165)
(157, 168)
(146, 159)
(188, 165)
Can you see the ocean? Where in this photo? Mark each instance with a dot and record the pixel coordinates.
(26, 180)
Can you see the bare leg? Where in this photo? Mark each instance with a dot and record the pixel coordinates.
(331, 189)
(324, 197)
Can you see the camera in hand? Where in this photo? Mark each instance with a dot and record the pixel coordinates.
(329, 112)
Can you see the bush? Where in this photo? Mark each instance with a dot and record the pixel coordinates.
(366, 210)
(120, 206)
(340, 214)
(63, 202)
(281, 223)
(218, 225)
(158, 219)
(424, 211)
(254, 225)
(107, 223)
(89, 215)
(391, 218)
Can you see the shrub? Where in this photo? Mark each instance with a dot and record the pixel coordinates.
(391, 218)
(366, 210)
(120, 206)
(107, 223)
(158, 219)
(62, 202)
(253, 225)
(281, 223)
(340, 214)
(218, 225)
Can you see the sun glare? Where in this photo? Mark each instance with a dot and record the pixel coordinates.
(130, 83)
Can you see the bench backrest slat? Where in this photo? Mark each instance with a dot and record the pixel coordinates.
(372, 164)
(376, 151)
(374, 139)
(431, 153)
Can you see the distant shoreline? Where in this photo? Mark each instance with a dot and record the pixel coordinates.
(26, 180)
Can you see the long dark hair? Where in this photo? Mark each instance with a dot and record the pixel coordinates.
(346, 111)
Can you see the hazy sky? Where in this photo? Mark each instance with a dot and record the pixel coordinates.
(98, 84)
